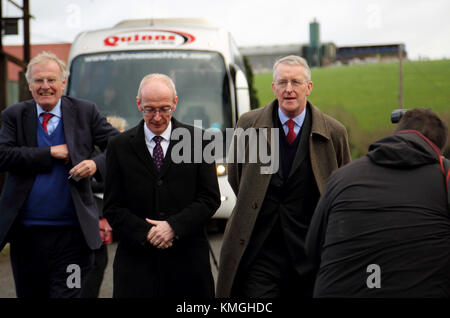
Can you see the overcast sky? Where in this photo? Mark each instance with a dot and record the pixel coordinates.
(423, 25)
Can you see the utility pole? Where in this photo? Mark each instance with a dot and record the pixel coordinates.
(26, 31)
(400, 76)
(24, 92)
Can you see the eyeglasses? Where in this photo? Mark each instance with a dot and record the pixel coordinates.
(152, 111)
(294, 83)
(40, 81)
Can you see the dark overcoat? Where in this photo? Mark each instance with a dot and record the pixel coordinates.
(328, 149)
(185, 194)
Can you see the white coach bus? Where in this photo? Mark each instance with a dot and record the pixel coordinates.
(106, 67)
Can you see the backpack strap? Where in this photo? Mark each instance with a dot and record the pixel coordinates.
(445, 166)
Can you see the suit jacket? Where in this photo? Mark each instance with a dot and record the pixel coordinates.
(20, 156)
(185, 194)
(328, 150)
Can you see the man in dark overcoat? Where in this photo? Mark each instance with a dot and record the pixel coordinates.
(157, 204)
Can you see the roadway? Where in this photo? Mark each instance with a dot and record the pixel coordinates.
(7, 283)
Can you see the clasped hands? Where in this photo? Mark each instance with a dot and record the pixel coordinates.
(84, 169)
(161, 234)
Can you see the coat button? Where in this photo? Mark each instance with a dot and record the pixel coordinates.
(159, 183)
(254, 205)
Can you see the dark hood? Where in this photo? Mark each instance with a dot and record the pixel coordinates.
(403, 150)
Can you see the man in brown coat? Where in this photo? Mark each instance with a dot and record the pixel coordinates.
(263, 252)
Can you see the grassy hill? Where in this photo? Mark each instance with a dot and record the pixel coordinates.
(363, 96)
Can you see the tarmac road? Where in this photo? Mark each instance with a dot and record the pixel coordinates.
(7, 289)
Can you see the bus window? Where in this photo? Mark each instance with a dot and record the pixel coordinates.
(111, 80)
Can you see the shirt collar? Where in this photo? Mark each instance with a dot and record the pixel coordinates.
(165, 135)
(298, 120)
(56, 111)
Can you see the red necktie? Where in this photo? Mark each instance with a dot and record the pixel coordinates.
(291, 133)
(45, 118)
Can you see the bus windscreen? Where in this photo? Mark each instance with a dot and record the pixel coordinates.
(111, 80)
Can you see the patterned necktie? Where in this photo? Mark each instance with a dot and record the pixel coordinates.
(158, 154)
(291, 133)
(45, 118)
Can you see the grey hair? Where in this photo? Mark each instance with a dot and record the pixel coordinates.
(157, 76)
(293, 60)
(45, 57)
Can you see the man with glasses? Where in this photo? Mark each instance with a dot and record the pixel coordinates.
(263, 253)
(47, 209)
(158, 206)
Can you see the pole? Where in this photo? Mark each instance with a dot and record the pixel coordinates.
(400, 76)
(24, 92)
(26, 32)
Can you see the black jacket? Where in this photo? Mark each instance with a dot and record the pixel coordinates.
(387, 209)
(185, 194)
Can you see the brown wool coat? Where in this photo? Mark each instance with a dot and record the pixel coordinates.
(329, 149)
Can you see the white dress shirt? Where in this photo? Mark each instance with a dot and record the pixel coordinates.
(54, 120)
(298, 120)
(164, 142)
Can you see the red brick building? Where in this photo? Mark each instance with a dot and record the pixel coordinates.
(61, 50)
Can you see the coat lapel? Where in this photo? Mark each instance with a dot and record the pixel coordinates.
(69, 117)
(140, 147)
(30, 124)
(278, 177)
(168, 158)
(266, 120)
(302, 148)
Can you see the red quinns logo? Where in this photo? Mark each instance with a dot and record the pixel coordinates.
(153, 37)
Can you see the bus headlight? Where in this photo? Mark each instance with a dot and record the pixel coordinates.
(221, 169)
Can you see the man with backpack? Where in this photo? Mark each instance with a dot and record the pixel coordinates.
(382, 225)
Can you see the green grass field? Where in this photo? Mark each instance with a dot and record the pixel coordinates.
(370, 92)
